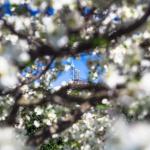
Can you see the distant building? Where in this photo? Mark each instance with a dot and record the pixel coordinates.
(76, 76)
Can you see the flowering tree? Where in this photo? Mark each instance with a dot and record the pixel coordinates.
(37, 37)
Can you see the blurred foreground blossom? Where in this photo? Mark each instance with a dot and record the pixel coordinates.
(8, 77)
(124, 136)
(9, 140)
(143, 83)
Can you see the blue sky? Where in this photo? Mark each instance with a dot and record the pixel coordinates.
(79, 64)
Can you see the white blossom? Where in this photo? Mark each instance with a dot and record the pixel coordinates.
(36, 123)
(112, 77)
(58, 4)
(38, 110)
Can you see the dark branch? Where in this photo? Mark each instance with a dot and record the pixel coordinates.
(129, 28)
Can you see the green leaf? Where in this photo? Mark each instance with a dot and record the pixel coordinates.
(102, 42)
(102, 106)
(19, 10)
